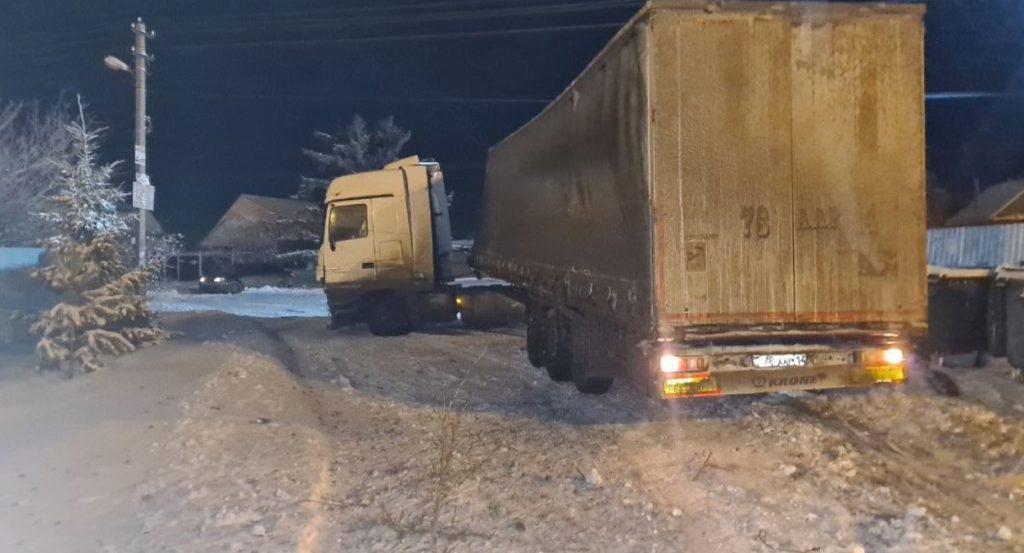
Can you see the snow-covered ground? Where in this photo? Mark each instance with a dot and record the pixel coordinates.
(278, 434)
(266, 302)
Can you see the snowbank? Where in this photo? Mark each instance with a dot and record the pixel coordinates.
(462, 245)
(266, 302)
(956, 272)
(473, 282)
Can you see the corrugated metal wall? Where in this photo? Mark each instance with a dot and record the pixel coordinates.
(987, 246)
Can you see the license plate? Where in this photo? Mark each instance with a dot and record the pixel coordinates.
(697, 385)
(780, 360)
(887, 374)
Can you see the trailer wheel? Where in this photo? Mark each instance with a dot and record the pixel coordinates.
(536, 334)
(388, 316)
(557, 353)
(586, 344)
(585, 385)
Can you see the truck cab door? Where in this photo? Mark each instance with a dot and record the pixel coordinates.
(349, 255)
(391, 240)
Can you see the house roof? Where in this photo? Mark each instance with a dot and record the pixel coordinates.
(275, 207)
(260, 222)
(1002, 202)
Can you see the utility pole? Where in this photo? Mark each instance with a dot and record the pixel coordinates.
(142, 197)
(142, 190)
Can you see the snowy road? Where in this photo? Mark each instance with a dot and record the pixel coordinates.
(266, 302)
(293, 437)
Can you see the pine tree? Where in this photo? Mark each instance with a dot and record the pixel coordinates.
(102, 308)
(354, 149)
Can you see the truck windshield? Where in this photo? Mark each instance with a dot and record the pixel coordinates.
(347, 222)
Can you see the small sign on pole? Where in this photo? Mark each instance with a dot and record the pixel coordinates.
(143, 193)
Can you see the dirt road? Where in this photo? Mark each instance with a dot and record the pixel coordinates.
(282, 435)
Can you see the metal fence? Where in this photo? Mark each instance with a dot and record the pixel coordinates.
(988, 246)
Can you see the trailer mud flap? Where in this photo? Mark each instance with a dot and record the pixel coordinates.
(752, 382)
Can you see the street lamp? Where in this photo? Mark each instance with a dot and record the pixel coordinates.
(115, 64)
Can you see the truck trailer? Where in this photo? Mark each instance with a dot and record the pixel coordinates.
(729, 199)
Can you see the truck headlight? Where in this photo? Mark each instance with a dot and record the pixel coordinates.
(218, 279)
(202, 279)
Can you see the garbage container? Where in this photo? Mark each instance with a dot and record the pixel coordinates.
(1011, 280)
(958, 306)
(995, 319)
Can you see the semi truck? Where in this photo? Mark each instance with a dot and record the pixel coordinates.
(729, 199)
(387, 257)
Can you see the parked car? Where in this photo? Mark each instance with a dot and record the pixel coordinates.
(232, 279)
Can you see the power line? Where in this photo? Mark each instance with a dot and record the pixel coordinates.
(96, 35)
(385, 99)
(248, 16)
(405, 8)
(972, 95)
(308, 23)
(398, 38)
(309, 42)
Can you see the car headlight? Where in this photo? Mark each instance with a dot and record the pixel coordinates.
(219, 279)
(202, 279)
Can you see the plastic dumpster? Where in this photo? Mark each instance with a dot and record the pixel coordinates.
(958, 305)
(1011, 281)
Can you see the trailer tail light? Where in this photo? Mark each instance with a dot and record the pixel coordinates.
(691, 385)
(893, 356)
(882, 357)
(883, 366)
(670, 364)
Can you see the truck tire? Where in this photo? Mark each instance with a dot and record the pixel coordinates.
(585, 345)
(557, 353)
(235, 287)
(388, 316)
(339, 319)
(536, 334)
(592, 386)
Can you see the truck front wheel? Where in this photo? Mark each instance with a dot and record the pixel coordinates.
(536, 334)
(388, 316)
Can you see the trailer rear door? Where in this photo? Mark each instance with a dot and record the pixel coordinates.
(721, 166)
(858, 168)
(787, 165)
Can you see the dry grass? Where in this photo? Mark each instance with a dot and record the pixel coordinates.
(436, 515)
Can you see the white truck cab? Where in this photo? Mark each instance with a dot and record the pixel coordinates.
(387, 249)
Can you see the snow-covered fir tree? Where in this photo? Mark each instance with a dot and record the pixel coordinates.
(102, 308)
(353, 149)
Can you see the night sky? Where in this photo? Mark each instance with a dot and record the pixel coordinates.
(238, 86)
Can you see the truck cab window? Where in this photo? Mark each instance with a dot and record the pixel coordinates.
(347, 222)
